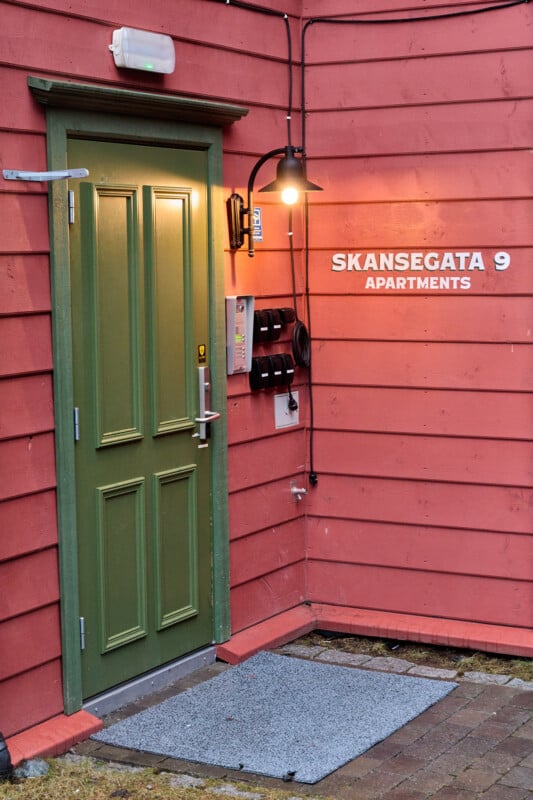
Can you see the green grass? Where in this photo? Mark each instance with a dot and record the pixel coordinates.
(88, 779)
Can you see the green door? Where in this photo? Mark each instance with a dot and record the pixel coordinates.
(140, 315)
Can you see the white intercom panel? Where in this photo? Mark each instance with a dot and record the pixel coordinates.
(239, 333)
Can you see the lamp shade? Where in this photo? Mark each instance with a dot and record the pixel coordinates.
(290, 174)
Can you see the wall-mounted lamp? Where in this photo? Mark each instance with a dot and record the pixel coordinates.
(136, 49)
(290, 181)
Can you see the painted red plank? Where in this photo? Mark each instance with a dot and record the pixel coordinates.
(29, 583)
(435, 176)
(460, 319)
(193, 20)
(441, 413)
(31, 698)
(449, 505)
(273, 632)
(27, 406)
(463, 78)
(518, 279)
(18, 110)
(27, 465)
(432, 130)
(260, 131)
(30, 640)
(428, 226)
(431, 458)
(272, 505)
(418, 547)
(267, 460)
(482, 32)
(416, 628)
(54, 737)
(23, 151)
(40, 43)
(251, 416)
(258, 600)
(24, 223)
(27, 344)
(28, 523)
(495, 367)
(379, 8)
(488, 600)
(24, 284)
(262, 553)
(245, 275)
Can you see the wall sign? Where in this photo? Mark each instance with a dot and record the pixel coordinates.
(437, 271)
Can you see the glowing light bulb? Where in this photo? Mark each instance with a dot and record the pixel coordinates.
(289, 195)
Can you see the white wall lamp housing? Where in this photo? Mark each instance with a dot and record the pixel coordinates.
(136, 49)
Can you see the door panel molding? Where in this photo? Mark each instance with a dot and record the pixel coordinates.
(60, 123)
(123, 614)
(167, 225)
(119, 413)
(176, 594)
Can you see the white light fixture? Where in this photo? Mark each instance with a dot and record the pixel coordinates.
(135, 49)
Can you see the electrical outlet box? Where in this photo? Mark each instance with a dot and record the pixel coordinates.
(283, 416)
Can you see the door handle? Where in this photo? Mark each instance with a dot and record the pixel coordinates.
(205, 417)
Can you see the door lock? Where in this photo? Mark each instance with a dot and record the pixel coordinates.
(205, 417)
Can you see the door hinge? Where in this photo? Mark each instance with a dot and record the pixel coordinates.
(82, 633)
(71, 208)
(76, 424)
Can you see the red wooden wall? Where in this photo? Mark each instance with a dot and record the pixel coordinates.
(420, 134)
(222, 53)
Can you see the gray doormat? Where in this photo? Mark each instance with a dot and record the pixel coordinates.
(279, 716)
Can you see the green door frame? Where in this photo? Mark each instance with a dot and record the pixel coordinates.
(86, 110)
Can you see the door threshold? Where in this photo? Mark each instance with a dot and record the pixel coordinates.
(151, 682)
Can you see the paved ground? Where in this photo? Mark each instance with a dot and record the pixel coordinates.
(475, 743)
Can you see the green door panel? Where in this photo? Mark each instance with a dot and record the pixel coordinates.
(140, 306)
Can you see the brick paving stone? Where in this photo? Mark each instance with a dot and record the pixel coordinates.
(499, 792)
(399, 793)
(527, 762)
(520, 777)
(454, 793)
(452, 762)
(427, 781)
(495, 730)
(303, 650)
(468, 690)
(485, 677)
(526, 731)
(515, 746)
(511, 715)
(426, 748)
(409, 733)
(471, 747)
(492, 698)
(375, 784)
(359, 767)
(526, 686)
(471, 717)
(432, 672)
(403, 764)
(389, 664)
(383, 750)
(477, 778)
(501, 762)
(339, 657)
(522, 699)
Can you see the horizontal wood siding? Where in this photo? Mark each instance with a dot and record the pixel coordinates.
(223, 53)
(420, 136)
